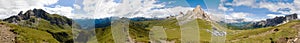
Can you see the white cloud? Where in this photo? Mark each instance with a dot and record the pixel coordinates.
(128, 8)
(62, 10)
(245, 17)
(240, 15)
(221, 7)
(12, 7)
(216, 15)
(274, 7)
(273, 15)
(76, 6)
(271, 6)
(243, 2)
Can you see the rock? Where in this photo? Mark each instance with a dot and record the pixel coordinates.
(200, 13)
(196, 13)
(39, 13)
(275, 21)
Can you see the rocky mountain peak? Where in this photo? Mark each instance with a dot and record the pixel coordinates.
(197, 13)
(41, 14)
(198, 9)
(276, 21)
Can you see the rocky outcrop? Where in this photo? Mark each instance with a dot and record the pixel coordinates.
(275, 21)
(39, 13)
(38, 20)
(200, 13)
(196, 13)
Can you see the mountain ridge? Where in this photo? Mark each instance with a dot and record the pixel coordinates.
(33, 23)
(39, 13)
(276, 21)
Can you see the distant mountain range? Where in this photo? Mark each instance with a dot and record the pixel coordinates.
(276, 21)
(264, 23)
(104, 22)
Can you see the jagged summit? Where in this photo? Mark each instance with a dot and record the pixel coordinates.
(276, 21)
(196, 13)
(197, 9)
(31, 15)
(39, 13)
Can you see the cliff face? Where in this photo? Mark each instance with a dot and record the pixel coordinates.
(196, 13)
(200, 13)
(275, 21)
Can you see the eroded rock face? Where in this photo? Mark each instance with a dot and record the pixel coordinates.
(200, 13)
(275, 21)
(196, 13)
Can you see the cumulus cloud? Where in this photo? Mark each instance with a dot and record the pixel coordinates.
(62, 10)
(273, 15)
(240, 17)
(216, 15)
(221, 7)
(76, 6)
(129, 8)
(271, 6)
(243, 2)
(233, 17)
(12, 7)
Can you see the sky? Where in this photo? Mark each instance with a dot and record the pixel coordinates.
(248, 10)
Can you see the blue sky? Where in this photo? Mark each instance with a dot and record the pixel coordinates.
(260, 9)
(187, 3)
(231, 9)
(63, 3)
(240, 9)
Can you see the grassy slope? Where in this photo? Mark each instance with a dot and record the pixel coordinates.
(104, 35)
(41, 31)
(139, 30)
(29, 35)
(285, 31)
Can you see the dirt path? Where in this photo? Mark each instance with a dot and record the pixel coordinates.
(6, 36)
(297, 40)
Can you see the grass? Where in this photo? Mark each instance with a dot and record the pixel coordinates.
(39, 30)
(29, 35)
(104, 35)
(285, 31)
(42, 30)
(139, 30)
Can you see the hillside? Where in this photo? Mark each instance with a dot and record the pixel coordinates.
(6, 35)
(139, 31)
(209, 31)
(38, 26)
(281, 34)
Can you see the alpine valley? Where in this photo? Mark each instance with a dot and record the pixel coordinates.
(38, 26)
